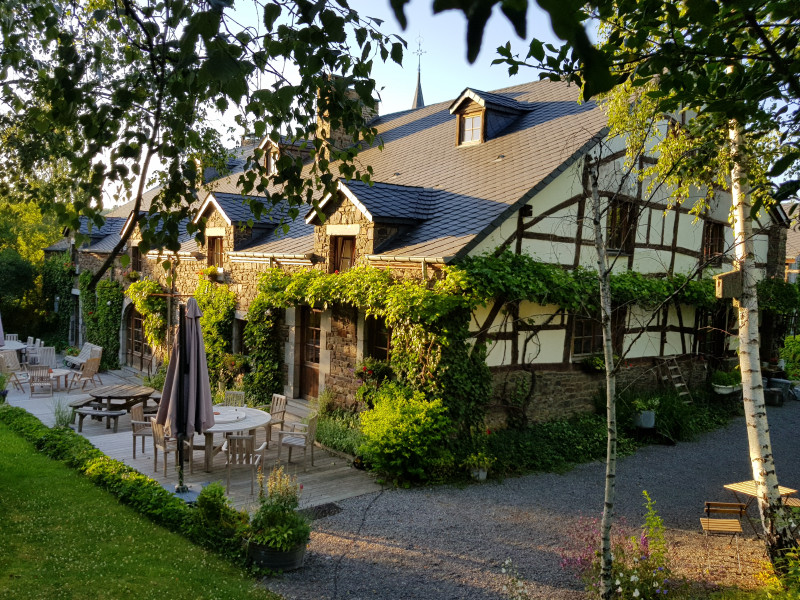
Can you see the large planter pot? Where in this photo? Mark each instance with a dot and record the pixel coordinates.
(645, 419)
(726, 389)
(276, 560)
(479, 474)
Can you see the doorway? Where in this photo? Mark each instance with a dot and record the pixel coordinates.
(311, 335)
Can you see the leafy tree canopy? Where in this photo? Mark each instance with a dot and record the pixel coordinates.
(112, 89)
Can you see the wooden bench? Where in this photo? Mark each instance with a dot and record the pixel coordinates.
(100, 414)
(731, 527)
(79, 402)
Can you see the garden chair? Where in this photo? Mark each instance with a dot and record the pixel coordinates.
(277, 410)
(12, 337)
(87, 351)
(240, 451)
(39, 376)
(723, 526)
(301, 435)
(234, 399)
(32, 351)
(47, 357)
(139, 427)
(167, 445)
(9, 364)
(88, 372)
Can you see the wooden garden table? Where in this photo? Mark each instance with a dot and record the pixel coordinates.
(128, 394)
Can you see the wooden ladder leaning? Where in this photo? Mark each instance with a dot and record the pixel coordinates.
(670, 374)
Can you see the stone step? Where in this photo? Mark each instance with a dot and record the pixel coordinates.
(298, 407)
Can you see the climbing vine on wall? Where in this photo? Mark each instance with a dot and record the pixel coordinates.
(265, 351)
(218, 304)
(102, 315)
(146, 299)
(58, 275)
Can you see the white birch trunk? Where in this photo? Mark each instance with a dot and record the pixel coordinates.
(606, 587)
(772, 515)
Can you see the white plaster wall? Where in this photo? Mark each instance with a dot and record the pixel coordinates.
(545, 347)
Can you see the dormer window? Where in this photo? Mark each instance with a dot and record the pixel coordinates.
(471, 128)
(343, 253)
(136, 258)
(271, 162)
(214, 251)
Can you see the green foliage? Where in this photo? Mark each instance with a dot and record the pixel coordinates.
(265, 351)
(406, 436)
(790, 353)
(157, 379)
(732, 378)
(372, 373)
(215, 524)
(144, 294)
(88, 305)
(17, 275)
(276, 523)
(218, 304)
(58, 278)
(341, 431)
(109, 316)
(778, 296)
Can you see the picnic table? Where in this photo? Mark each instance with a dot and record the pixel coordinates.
(124, 395)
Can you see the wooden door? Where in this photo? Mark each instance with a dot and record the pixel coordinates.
(309, 352)
(137, 352)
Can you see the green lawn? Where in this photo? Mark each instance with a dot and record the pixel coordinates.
(62, 537)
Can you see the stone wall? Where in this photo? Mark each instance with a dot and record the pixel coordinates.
(562, 392)
(341, 342)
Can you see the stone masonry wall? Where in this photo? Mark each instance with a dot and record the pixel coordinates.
(341, 342)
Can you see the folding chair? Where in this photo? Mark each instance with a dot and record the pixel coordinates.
(717, 526)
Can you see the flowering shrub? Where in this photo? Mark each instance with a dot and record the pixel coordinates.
(640, 568)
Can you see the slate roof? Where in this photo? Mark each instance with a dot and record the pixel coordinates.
(387, 202)
(491, 100)
(471, 188)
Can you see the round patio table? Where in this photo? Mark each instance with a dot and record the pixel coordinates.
(128, 394)
(57, 374)
(228, 419)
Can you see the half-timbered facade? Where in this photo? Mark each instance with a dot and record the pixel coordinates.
(508, 169)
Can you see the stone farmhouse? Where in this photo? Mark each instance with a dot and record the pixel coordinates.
(486, 171)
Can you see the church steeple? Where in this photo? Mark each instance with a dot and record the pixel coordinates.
(418, 100)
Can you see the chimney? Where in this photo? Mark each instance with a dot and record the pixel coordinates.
(339, 137)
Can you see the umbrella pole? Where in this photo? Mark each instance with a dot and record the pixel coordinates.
(181, 488)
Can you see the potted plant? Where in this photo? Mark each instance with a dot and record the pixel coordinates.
(593, 364)
(277, 535)
(131, 275)
(645, 412)
(478, 463)
(726, 382)
(214, 273)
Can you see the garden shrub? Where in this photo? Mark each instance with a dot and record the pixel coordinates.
(102, 310)
(58, 275)
(406, 437)
(215, 524)
(148, 299)
(340, 430)
(791, 356)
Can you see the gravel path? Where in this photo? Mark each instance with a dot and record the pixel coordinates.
(448, 543)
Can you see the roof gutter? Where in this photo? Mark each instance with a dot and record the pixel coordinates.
(423, 260)
(271, 258)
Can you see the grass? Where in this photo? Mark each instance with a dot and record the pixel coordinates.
(65, 538)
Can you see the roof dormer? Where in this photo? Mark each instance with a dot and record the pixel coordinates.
(480, 116)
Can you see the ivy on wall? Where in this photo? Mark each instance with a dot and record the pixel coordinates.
(144, 294)
(218, 304)
(102, 313)
(265, 351)
(58, 275)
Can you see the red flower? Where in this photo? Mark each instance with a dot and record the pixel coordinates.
(369, 372)
(364, 369)
(336, 272)
(488, 432)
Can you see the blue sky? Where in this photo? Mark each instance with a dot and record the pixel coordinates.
(445, 70)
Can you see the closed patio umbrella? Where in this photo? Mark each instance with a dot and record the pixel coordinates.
(2, 335)
(186, 403)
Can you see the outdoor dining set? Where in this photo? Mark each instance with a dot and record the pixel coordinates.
(33, 364)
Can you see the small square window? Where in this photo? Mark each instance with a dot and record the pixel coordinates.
(136, 258)
(471, 128)
(621, 226)
(378, 338)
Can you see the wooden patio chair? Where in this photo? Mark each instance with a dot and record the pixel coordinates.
(277, 410)
(240, 452)
(139, 427)
(39, 376)
(235, 399)
(723, 526)
(301, 435)
(10, 367)
(167, 445)
(88, 372)
(12, 337)
(47, 357)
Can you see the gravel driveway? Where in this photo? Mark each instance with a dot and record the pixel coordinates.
(448, 543)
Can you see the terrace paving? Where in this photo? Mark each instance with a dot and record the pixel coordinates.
(330, 480)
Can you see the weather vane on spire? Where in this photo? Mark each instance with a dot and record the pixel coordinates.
(419, 52)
